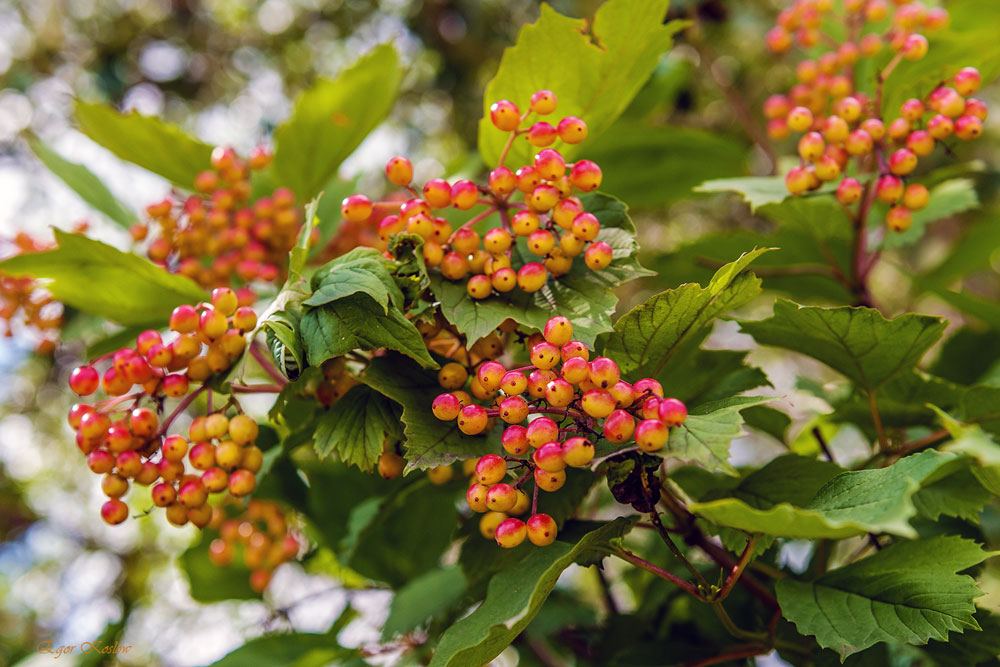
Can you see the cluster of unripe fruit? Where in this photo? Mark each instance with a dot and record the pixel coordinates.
(555, 408)
(25, 306)
(217, 232)
(257, 537)
(838, 123)
(125, 440)
(548, 216)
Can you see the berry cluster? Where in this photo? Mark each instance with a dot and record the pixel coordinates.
(125, 440)
(549, 218)
(210, 235)
(571, 399)
(25, 306)
(258, 536)
(839, 123)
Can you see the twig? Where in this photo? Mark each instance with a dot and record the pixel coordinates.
(822, 443)
(702, 583)
(883, 442)
(265, 363)
(609, 599)
(737, 570)
(256, 388)
(732, 654)
(683, 584)
(179, 409)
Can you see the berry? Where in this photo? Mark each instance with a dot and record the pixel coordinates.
(575, 370)
(490, 469)
(572, 130)
(504, 115)
(799, 119)
(399, 171)
(619, 426)
(489, 522)
(243, 429)
(490, 375)
(598, 256)
(549, 457)
(559, 393)
(510, 533)
(541, 134)
(531, 277)
(899, 218)
(452, 376)
(604, 372)
(472, 419)
(586, 176)
(501, 497)
(502, 181)
(597, 403)
(968, 127)
(915, 47)
(192, 493)
(446, 407)
(577, 452)
(888, 189)
(437, 193)
(541, 530)
(672, 412)
(541, 431)
(476, 497)
(915, 197)
(356, 208)
(513, 383)
(549, 481)
(543, 102)
(544, 355)
(513, 410)
(651, 435)
(849, 191)
(464, 195)
(114, 511)
(84, 380)
(515, 440)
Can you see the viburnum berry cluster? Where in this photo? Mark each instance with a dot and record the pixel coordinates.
(217, 232)
(556, 409)
(257, 536)
(535, 203)
(124, 438)
(26, 306)
(839, 122)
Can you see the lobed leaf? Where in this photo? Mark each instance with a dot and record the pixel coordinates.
(706, 434)
(356, 427)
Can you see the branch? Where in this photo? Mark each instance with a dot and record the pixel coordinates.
(737, 570)
(266, 364)
(822, 443)
(683, 584)
(702, 583)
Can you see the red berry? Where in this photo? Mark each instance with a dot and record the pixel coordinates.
(472, 419)
(541, 530)
(501, 497)
(915, 47)
(476, 497)
(598, 256)
(491, 469)
(502, 181)
(513, 383)
(572, 130)
(437, 193)
(559, 393)
(510, 533)
(193, 493)
(356, 208)
(619, 426)
(585, 176)
(505, 115)
(849, 191)
(143, 422)
(464, 195)
(575, 370)
(543, 102)
(515, 440)
(604, 372)
(651, 435)
(672, 412)
(242, 483)
(100, 462)
(888, 189)
(84, 380)
(446, 407)
(541, 134)
(399, 171)
(650, 385)
(968, 128)
(577, 452)
(513, 409)
(544, 355)
(549, 457)
(490, 375)
(114, 511)
(541, 431)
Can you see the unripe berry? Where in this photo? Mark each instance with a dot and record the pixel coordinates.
(549, 481)
(915, 47)
(811, 146)
(572, 130)
(193, 494)
(174, 448)
(356, 208)
(849, 191)
(888, 189)
(937, 18)
(524, 222)
(479, 286)
(541, 530)
(163, 494)
(598, 256)
(940, 127)
(505, 115)
(915, 197)
(542, 198)
(649, 385)
(577, 452)
(544, 355)
(947, 101)
(490, 374)
(597, 403)
(472, 419)
(874, 127)
(859, 142)
(202, 455)
(797, 180)
(799, 119)
(902, 161)
(571, 245)
(399, 171)
(541, 242)
(559, 393)
(549, 457)
(920, 142)
(586, 226)
(114, 485)
(497, 241)
(184, 319)
(550, 164)
(537, 381)
(899, 218)
(543, 102)
(114, 511)
(243, 429)
(835, 129)
(513, 383)
(586, 176)
(510, 533)
(672, 412)
(476, 497)
(437, 193)
(575, 370)
(242, 483)
(175, 385)
(464, 195)
(531, 277)
(170, 471)
(491, 469)
(501, 497)
(215, 480)
(541, 134)
(968, 128)
(575, 348)
(776, 106)
(778, 130)
(228, 455)
(623, 393)
(502, 181)
(92, 424)
(619, 426)
(604, 372)
(446, 407)
(514, 409)
(489, 522)
(975, 107)
(514, 440)
(558, 331)
(651, 435)
(778, 40)
(541, 431)
(177, 514)
(100, 462)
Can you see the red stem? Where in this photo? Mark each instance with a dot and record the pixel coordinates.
(683, 584)
(737, 569)
(256, 389)
(179, 409)
(266, 364)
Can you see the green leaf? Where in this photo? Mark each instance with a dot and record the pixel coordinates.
(356, 427)
(858, 342)
(280, 330)
(362, 270)
(331, 118)
(429, 442)
(357, 322)
(602, 66)
(902, 401)
(98, 279)
(647, 336)
(851, 503)
(292, 649)
(768, 420)
(967, 356)
(909, 592)
(652, 166)
(970, 253)
(984, 309)
(207, 581)
(696, 375)
(147, 141)
(426, 596)
(405, 535)
(705, 435)
(84, 183)
(756, 191)
(947, 199)
(959, 495)
(971, 648)
(586, 297)
(514, 597)
(334, 491)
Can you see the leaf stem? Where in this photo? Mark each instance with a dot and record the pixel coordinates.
(257, 353)
(473, 220)
(702, 583)
(256, 388)
(683, 584)
(883, 442)
(737, 570)
(178, 410)
(818, 434)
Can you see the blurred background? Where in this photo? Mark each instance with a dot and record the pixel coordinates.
(227, 71)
